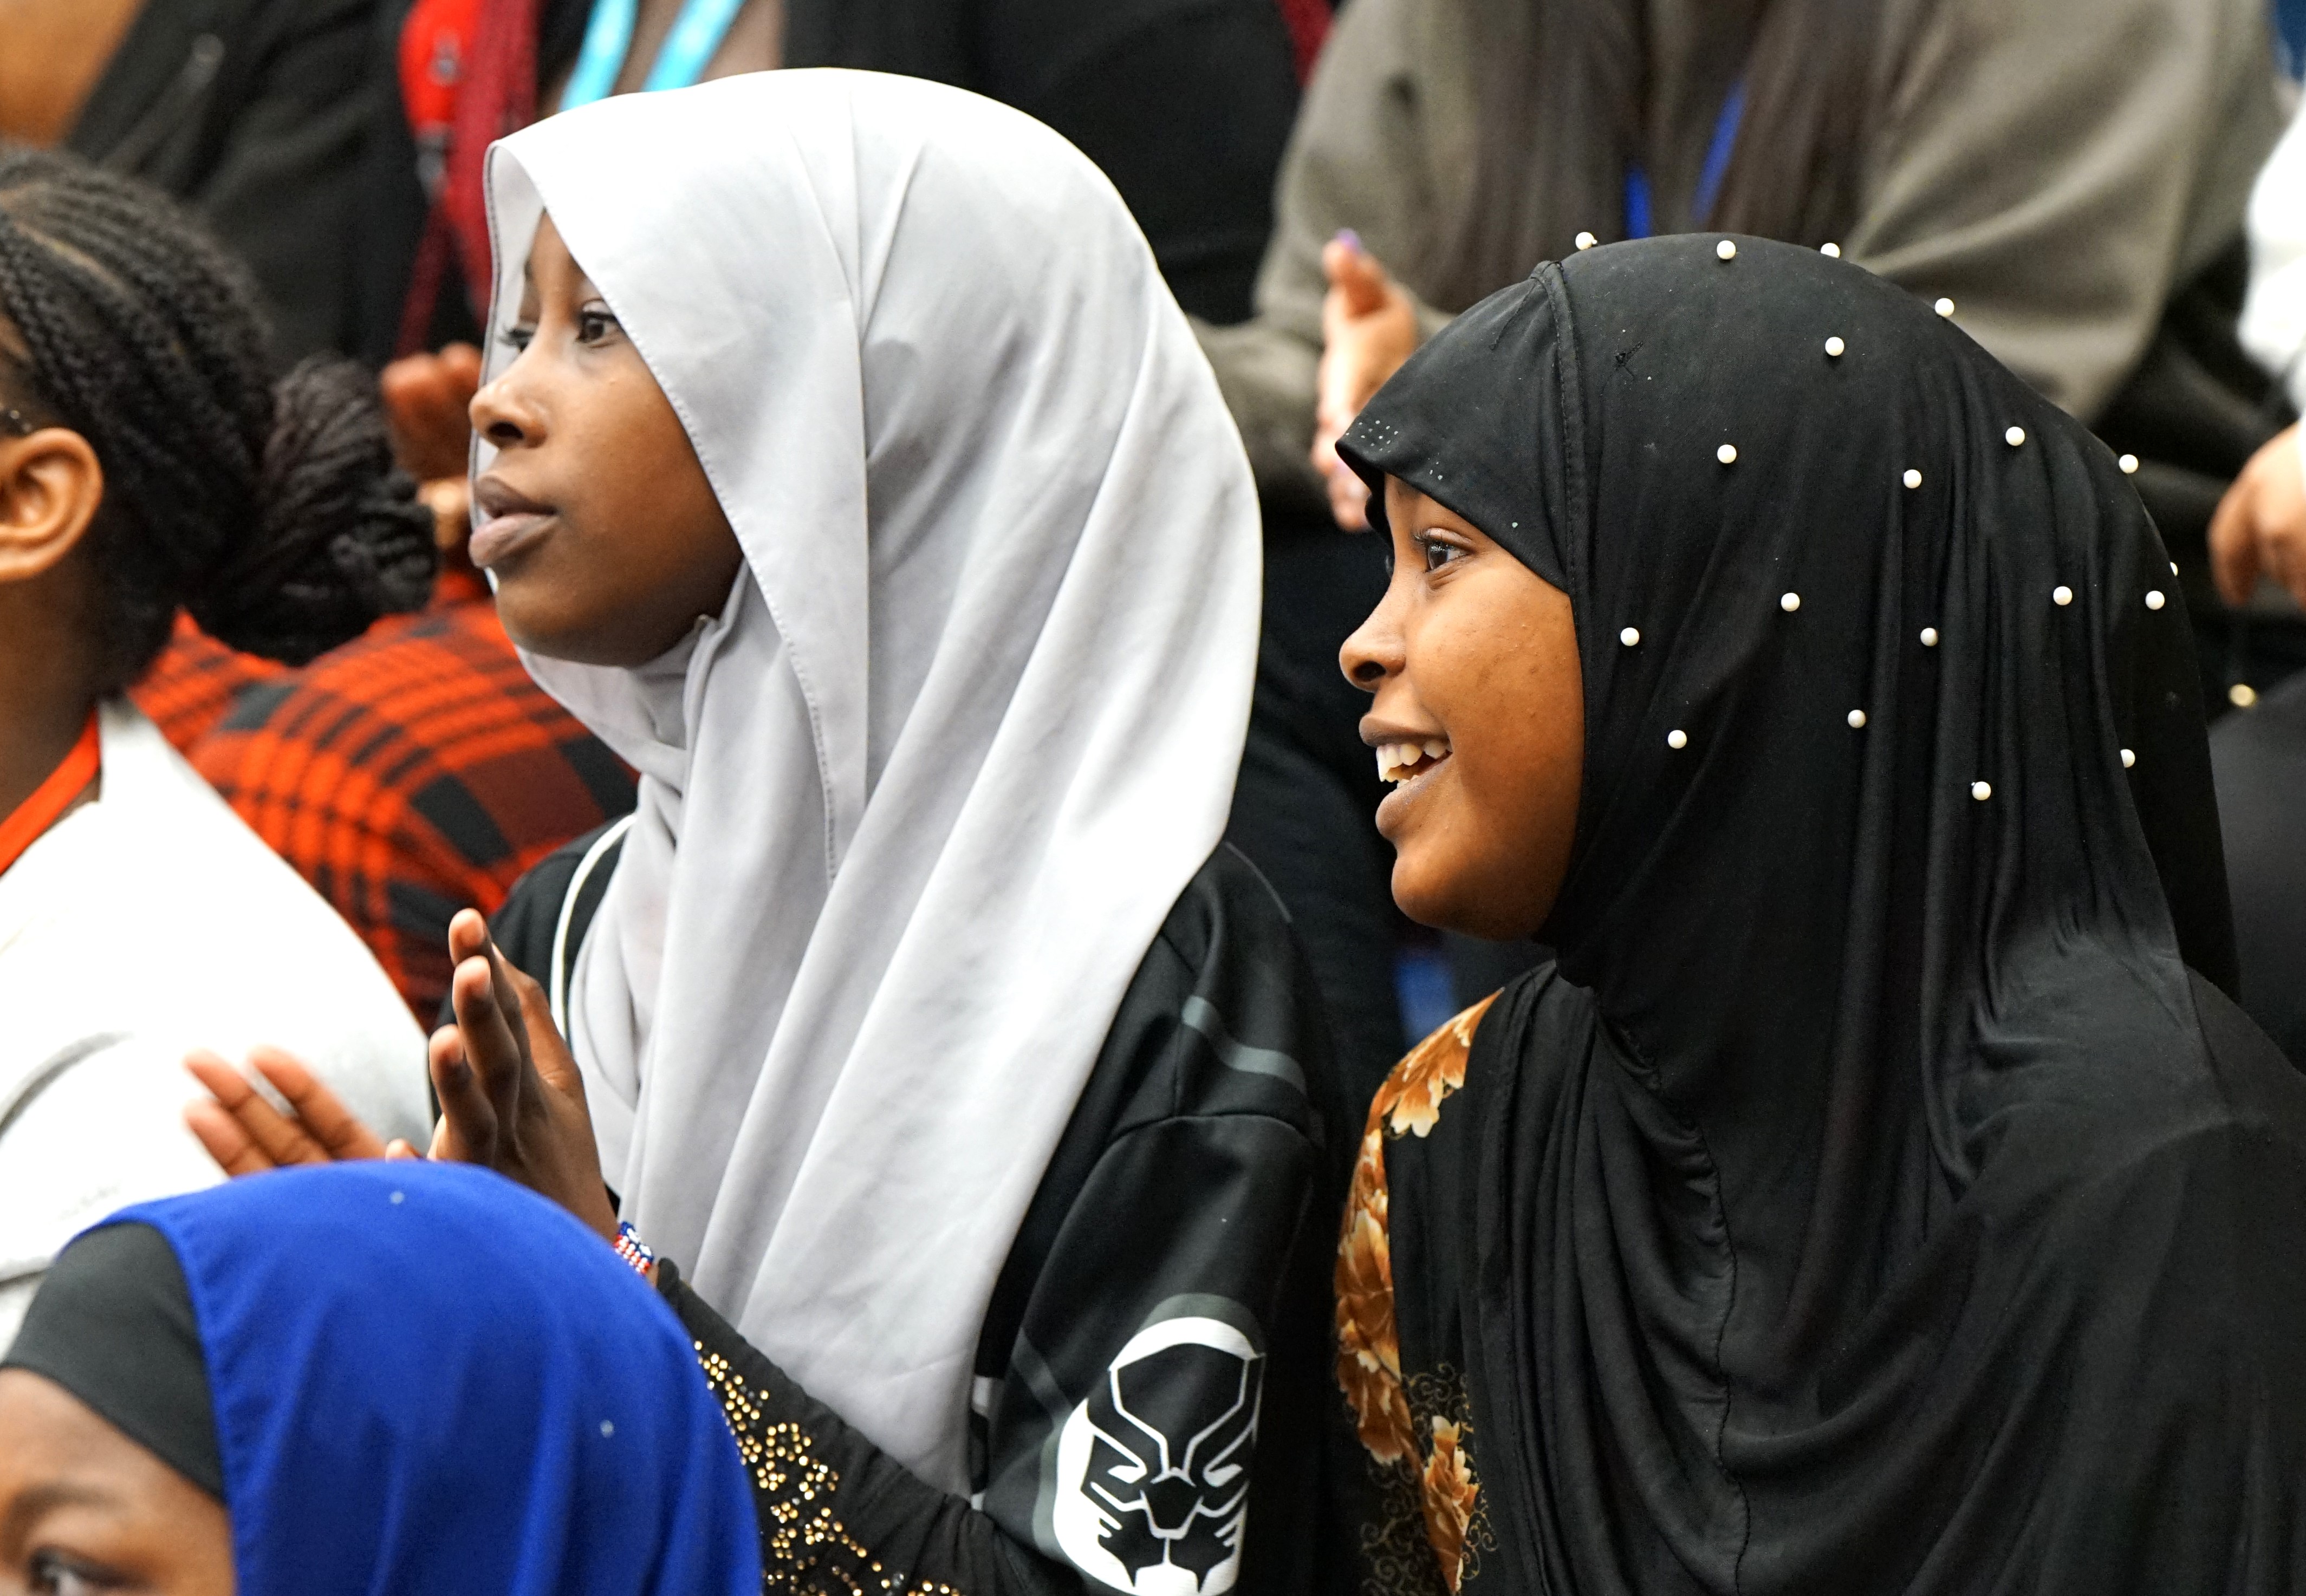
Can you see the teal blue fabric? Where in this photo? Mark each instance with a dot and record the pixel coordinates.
(681, 60)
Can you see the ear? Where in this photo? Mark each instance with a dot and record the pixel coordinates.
(50, 486)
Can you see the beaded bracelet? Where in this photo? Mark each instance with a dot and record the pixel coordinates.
(633, 1250)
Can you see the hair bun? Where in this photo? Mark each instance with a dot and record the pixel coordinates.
(340, 538)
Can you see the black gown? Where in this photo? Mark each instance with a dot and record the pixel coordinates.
(261, 116)
(1167, 1289)
(1880, 1194)
(2260, 756)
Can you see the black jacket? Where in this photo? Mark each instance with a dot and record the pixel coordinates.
(1194, 1194)
(261, 115)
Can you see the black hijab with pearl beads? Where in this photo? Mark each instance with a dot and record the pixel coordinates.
(1872, 1197)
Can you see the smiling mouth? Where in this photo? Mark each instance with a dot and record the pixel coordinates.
(1405, 762)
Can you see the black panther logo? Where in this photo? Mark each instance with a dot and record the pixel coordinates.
(1153, 1469)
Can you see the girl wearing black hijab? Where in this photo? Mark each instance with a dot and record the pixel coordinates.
(1879, 1193)
(2068, 176)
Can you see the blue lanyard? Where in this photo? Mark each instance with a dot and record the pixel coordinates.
(686, 51)
(1639, 221)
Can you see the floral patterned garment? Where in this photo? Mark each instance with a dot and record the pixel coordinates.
(1421, 1526)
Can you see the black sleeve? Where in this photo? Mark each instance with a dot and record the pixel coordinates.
(1148, 1296)
(837, 1513)
(393, 207)
(288, 189)
(1158, 1406)
(1153, 1380)
(2260, 763)
(1186, 105)
(1151, 1384)
(260, 114)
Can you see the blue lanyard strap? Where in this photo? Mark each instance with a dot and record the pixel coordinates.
(686, 51)
(1639, 220)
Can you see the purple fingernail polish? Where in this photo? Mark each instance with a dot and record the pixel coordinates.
(1350, 239)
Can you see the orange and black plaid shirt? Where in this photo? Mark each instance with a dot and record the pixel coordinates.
(193, 684)
(407, 775)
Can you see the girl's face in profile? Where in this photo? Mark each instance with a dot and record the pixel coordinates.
(1479, 721)
(596, 519)
(85, 1511)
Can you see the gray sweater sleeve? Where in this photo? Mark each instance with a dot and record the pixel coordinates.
(1382, 145)
(2059, 168)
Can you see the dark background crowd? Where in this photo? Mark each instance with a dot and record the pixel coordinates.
(2076, 188)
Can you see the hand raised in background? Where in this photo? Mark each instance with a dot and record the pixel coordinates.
(512, 1098)
(427, 400)
(1368, 328)
(2260, 525)
(427, 404)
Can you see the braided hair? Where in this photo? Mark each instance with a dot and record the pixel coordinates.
(272, 511)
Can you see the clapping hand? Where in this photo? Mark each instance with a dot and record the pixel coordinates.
(243, 1134)
(512, 1098)
(1368, 328)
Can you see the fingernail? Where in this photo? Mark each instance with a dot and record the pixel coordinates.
(1350, 239)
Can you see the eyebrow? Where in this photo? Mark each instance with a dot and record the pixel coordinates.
(30, 1505)
(586, 288)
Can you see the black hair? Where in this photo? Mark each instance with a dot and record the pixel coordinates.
(272, 511)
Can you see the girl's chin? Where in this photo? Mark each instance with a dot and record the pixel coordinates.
(551, 638)
(578, 640)
(1458, 895)
(1426, 895)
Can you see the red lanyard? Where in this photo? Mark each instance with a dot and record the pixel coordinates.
(49, 800)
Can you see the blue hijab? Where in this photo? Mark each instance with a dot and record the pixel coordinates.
(425, 1378)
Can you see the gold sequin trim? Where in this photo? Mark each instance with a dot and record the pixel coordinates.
(807, 1553)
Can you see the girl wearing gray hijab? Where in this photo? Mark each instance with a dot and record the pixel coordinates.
(854, 476)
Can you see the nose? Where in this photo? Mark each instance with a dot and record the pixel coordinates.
(503, 415)
(1373, 653)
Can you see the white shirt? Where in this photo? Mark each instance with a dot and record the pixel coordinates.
(140, 926)
(2273, 317)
